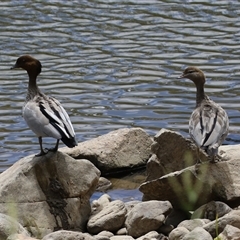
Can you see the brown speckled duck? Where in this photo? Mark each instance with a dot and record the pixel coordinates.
(44, 115)
(208, 124)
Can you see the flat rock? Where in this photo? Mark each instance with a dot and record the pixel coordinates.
(49, 192)
(146, 216)
(120, 150)
(110, 218)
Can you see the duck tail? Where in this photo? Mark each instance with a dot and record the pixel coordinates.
(70, 142)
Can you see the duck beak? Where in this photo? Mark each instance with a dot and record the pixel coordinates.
(182, 76)
(15, 66)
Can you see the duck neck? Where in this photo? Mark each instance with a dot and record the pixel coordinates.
(33, 89)
(200, 95)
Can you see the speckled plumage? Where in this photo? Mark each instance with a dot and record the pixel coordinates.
(44, 115)
(209, 123)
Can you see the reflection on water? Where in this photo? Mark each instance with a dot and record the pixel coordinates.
(114, 64)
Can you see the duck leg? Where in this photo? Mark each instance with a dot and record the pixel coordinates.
(55, 148)
(198, 156)
(41, 148)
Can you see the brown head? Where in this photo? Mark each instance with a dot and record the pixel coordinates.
(194, 74)
(28, 63)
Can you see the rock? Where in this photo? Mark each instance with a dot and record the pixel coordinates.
(146, 217)
(9, 226)
(103, 185)
(193, 223)
(130, 205)
(218, 181)
(68, 235)
(110, 218)
(230, 233)
(106, 234)
(122, 231)
(232, 218)
(123, 149)
(153, 235)
(121, 238)
(172, 152)
(198, 234)
(181, 188)
(19, 237)
(178, 233)
(49, 192)
(176, 216)
(211, 210)
(98, 205)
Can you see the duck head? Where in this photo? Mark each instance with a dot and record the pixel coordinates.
(194, 74)
(29, 64)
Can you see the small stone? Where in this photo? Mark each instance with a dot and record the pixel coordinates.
(110, 218)
(146, 217)
(230, 233)
(178, 233)
(198, 234)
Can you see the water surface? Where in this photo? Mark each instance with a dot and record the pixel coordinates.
(114, 64)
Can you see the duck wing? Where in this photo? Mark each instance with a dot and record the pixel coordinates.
(208, 125)
(59, 119)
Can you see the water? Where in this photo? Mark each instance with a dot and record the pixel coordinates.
(114, 64)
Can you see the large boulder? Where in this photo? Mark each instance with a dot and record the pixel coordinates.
(190, 187)
(120, 150)
(49, 193)
(171, 152)
(194, 186)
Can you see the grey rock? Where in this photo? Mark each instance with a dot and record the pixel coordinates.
(198, 234)
(105, 233)
(232, 218)
(99, 204)
(121, 238)
(110, 218)
(172, 152)
(230, 233)
(103, 184)
(153, 235)
(68, 235)
(181, 188)
(9, 226)
(20, 237)
(178, 233)
(49, 192)
(211, 210)
(193, 223)
(125, 148)
(146, 217)
(122, 231)
(194, 186)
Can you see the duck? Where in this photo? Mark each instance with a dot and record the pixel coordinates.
(209, 123)
(44, 115)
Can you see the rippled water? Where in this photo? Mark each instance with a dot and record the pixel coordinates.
(114, 63)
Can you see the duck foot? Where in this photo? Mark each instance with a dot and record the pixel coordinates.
(42, 153)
